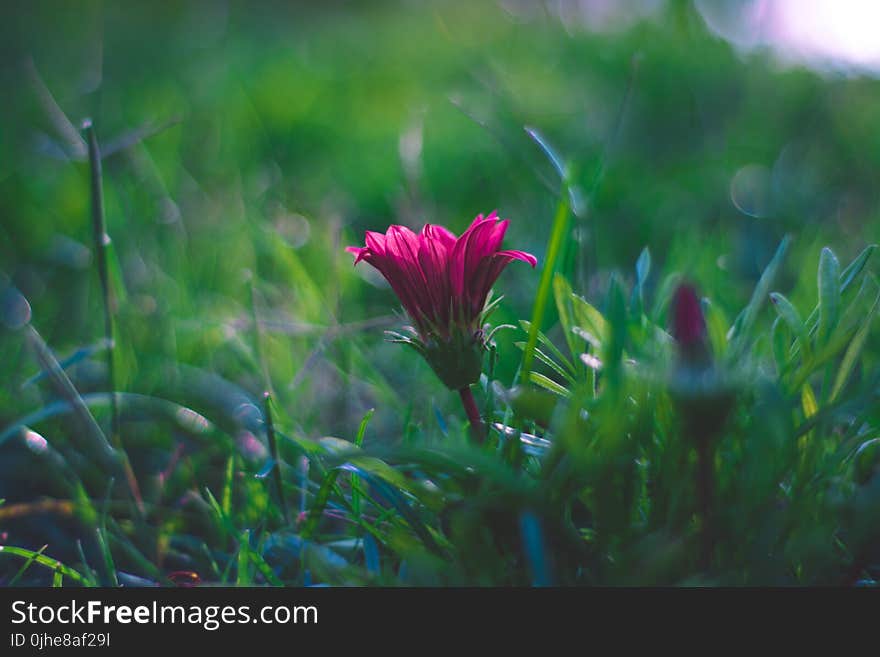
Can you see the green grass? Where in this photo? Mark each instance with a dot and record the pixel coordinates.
(275, 438)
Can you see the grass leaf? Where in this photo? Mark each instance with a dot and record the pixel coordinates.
(558, 235)
(829, 293)
(792, 318)
(743, 324)
(548, 384)
(853, 352)
(41, 559)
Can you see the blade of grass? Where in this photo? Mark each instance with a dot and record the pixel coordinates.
(847, 276)
(393, 497)
(273, 450)
(181, 417)
(355, 479)
(552, 349)
(563, 293)
(226, 497)
(109, 566)
(243, 572)
(328, 485)
(791, 317)
(72, 142)
(643, 269)
(90, 572)
(743, 324)
(225, 522)
(77, 356)
(549, 362)
(264, 568)
(851, 356)
(101, 241)
(43, 560)
(561, 223)
(27, 564)
(548, 384)
(829, 293)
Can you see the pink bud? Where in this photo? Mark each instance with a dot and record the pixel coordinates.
(688, 323)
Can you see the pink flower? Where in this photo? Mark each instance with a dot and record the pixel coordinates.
(442, 281)
(700, 387)
(688, 325)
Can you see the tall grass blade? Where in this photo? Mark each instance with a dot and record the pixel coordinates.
(558, 235)
(276, 457)
(43, 560)
(853, 352)
(101, 240)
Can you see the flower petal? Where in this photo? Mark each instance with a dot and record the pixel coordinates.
(467, 252)
(444, 236)
(520, 255)
(433, 259)
(496, 236)
(402, 247)
(487, 273)
(375, 241)
(360, 252)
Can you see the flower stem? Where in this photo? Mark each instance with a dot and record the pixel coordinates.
(478, 430)
(705, 492)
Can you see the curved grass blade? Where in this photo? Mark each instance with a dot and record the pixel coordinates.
(43, 560)
(793, 319)
(854, 268)
(27, 564)
(548, 344)
(89, 428)
(183, 417)
(549, 362)
(549, 384)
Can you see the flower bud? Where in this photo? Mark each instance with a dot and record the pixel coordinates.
(458, 361)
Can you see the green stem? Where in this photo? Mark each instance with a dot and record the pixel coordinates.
(478, 429)
(705, 493)
(102, 240)
(273, 449)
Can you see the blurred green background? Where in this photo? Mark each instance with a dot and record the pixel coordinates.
(246, 144)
